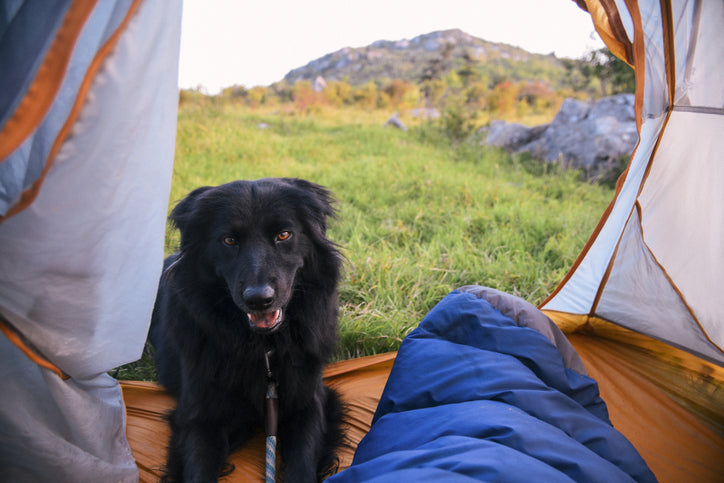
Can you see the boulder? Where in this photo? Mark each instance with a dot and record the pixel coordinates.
(319, 84)
(511, 136)
(592, 136)
(395, 121)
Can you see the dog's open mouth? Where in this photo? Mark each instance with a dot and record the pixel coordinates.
(265, 321)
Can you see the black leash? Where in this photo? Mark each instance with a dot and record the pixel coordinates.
(270, 420)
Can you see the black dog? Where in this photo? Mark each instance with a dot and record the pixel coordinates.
(255, 273)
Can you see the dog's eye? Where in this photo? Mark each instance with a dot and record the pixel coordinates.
(229, 241)
(283, 236)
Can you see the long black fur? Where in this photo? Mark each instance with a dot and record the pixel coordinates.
(235, 237)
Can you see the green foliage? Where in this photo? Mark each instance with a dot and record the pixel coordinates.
(458, 121)
(366, 95)
(193, 97)
(615, 75)
(399, 94)
(142, 370)
(418, 215)
(339, 94)
(599, 74)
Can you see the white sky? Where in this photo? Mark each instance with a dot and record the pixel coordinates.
(256, 42)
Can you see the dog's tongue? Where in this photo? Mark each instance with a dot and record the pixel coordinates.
(265, 320)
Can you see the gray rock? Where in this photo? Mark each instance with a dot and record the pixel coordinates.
(591, 136)
(395, 121)
(319, 84)
(510, 136)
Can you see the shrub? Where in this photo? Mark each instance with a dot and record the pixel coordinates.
(339, 93)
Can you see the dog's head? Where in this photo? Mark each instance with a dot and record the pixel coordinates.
(260, 239)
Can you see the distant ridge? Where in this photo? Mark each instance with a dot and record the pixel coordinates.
(406, 59)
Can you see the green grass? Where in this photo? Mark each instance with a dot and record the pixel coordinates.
(418, 215)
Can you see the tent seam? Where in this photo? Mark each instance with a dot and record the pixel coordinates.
(718, 111)
(609, 267)
(14, 336)
(667, 26)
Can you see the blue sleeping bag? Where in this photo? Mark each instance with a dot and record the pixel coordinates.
(487, 388)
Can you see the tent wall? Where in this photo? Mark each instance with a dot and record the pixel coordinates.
(654, 263)
(87, 134)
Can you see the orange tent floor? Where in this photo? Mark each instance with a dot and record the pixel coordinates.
(359, 381)
(677, 445)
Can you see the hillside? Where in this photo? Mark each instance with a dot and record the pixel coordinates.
(408, 60)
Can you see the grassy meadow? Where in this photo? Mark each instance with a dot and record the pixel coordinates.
(418, 214)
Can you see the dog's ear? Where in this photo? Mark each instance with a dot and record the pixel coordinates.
(183, 212)
(315, 204)
(319, 200)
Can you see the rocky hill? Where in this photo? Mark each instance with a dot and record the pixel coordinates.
(408, 59)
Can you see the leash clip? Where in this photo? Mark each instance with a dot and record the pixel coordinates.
(267, 364)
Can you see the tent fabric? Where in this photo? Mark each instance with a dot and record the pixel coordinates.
(475, 395)
(87, 133)
(610, 27)
(654, 263)
(48, 54)
(110, 177)
(60, 430)
(667, 402)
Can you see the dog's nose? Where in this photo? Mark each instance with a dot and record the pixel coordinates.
(259, 298)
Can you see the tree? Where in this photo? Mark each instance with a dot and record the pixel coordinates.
(476, 94)
(433, 71)
(256, 96)
(616, 76)
(538, 95)
(366, 95)
(234, 92)
(339, 93)
(467, 73)
(304, 96)
(600, 71)
(400, 93)
(503, 98)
